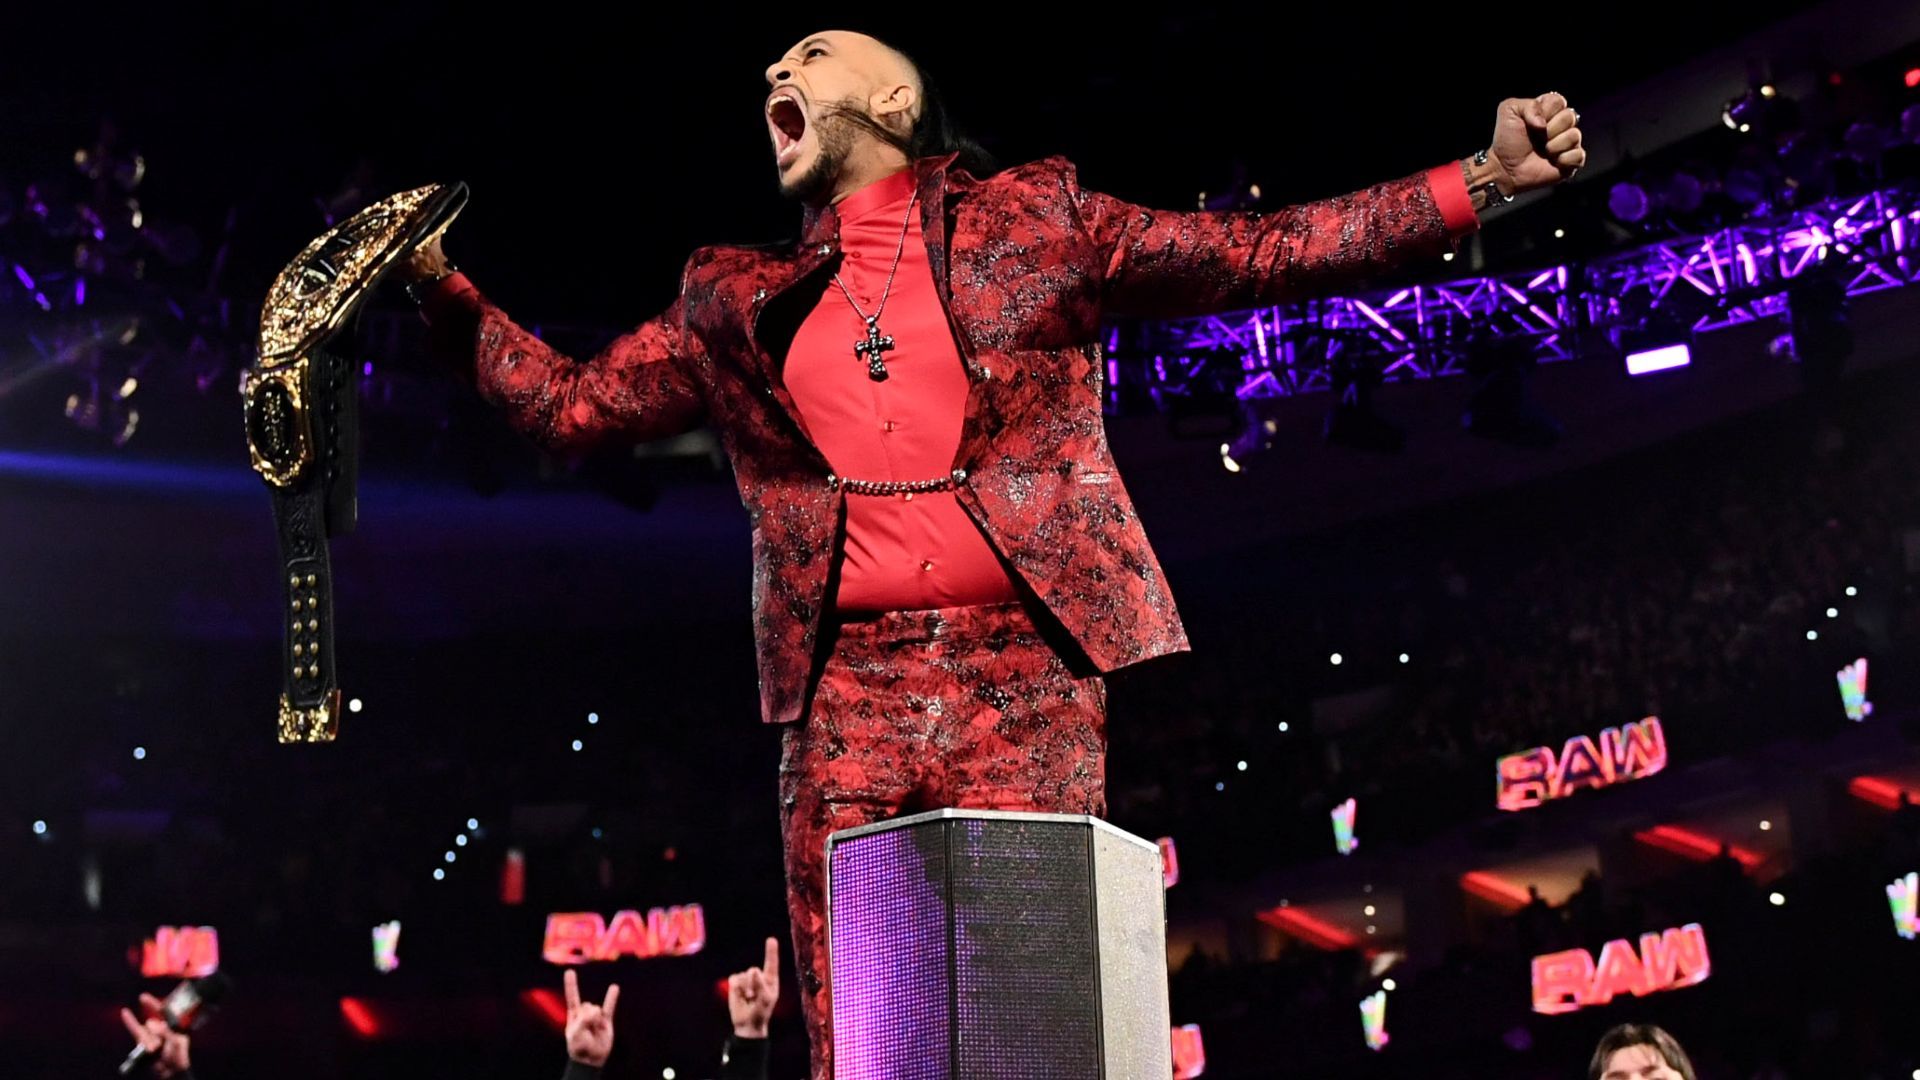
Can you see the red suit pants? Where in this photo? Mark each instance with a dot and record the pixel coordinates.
(919, 710)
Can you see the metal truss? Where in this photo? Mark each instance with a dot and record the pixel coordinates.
(1560, 313)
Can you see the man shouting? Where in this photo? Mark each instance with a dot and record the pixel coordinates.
(945, 559)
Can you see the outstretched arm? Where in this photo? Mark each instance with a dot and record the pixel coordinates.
(1185, 262)
(640, 387)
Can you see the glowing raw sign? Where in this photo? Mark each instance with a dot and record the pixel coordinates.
(1189, 1056)
(583, 936)
(186, 951)
(1344, 841)
(386, 946)
(1169, 862)
(1628, 752)
(1373, 1019)
(1565, 981)
(1904, 894)
(1853, 690)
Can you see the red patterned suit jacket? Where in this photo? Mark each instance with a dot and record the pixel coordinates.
(1026, 263)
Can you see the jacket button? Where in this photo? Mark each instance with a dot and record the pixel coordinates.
(759, 295)
(959, 476)
(826, 249)
(833, 482)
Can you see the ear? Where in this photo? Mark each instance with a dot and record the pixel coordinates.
(895, 104)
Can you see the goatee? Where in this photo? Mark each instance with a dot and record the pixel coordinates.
(835, 135)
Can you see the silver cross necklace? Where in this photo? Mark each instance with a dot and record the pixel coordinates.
(871, 348)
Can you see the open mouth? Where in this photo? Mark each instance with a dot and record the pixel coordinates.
(788, 122)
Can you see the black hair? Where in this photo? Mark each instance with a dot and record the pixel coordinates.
(1627, 1035)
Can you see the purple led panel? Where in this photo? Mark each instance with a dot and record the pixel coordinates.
(890, 953)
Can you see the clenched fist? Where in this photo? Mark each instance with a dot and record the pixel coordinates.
(1536, 143)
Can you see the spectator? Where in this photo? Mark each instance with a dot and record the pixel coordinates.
(1639, 1052)
(167, 1049)
(751, 997)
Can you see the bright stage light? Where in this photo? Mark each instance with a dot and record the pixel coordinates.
(1404, 658)
(460, 841)
(1240, 765)
(578, 746)
(1665, 358)
(1335, 659)
(451, 856)
(473, 824)
(39, 828)
(1776, 899)
(439, 874)
(593, 718)
(139, 753)
(354, 705)
(1284, 726)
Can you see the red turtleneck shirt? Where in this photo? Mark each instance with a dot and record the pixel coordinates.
(901, 552)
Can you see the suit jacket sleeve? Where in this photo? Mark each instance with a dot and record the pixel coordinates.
(1167, 263)
(642, 386)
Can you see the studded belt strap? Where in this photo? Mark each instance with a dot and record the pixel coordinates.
(886, 488)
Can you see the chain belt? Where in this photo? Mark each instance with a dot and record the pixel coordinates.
(886, 488)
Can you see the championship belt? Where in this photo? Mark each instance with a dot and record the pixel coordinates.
(301, 399)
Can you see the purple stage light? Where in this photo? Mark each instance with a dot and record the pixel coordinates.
(1661, 359)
